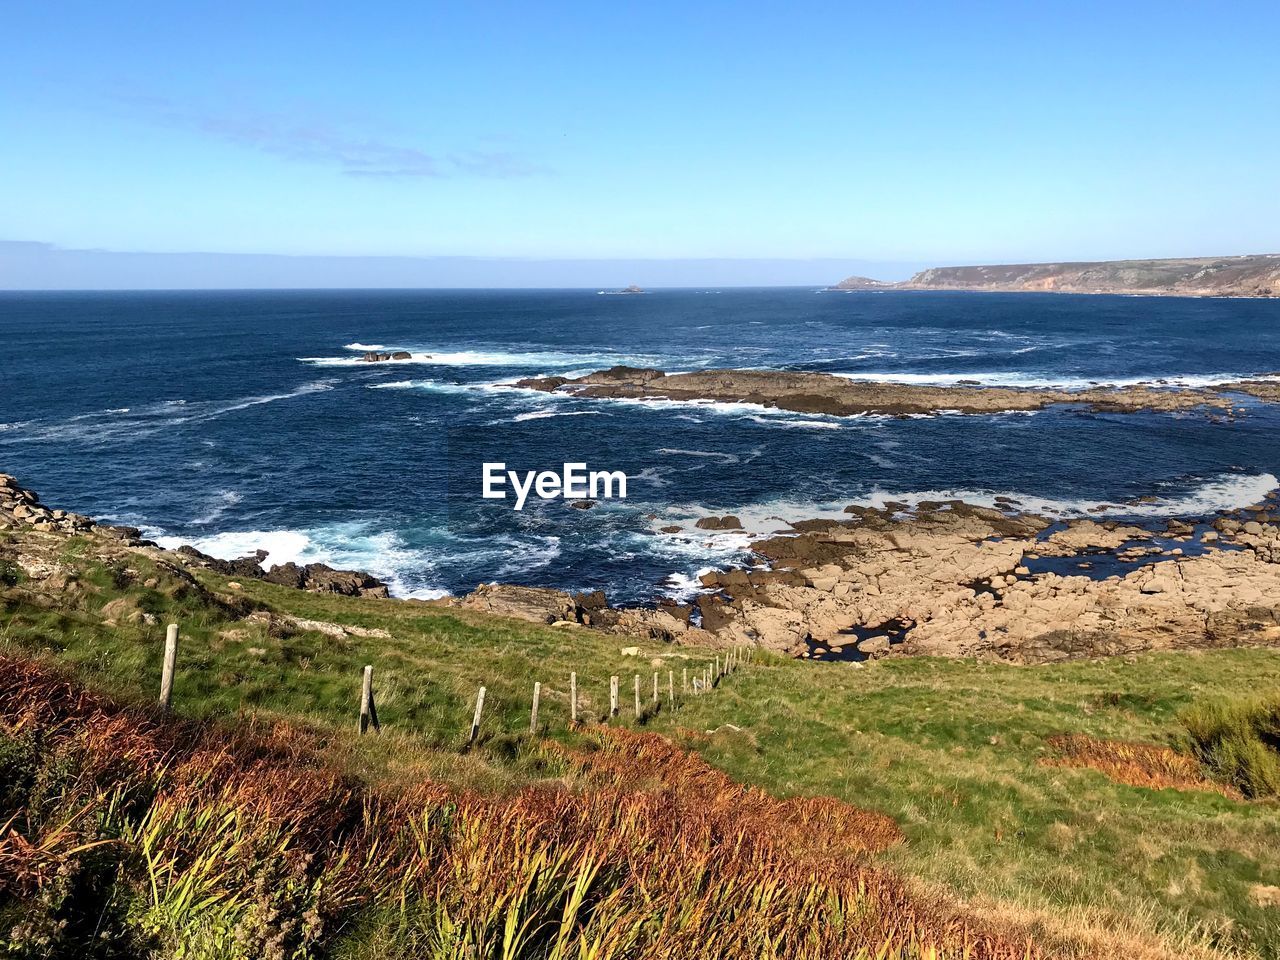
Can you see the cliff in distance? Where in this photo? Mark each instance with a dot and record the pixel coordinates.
(1256, 275)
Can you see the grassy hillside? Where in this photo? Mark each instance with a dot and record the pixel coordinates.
(960, 755)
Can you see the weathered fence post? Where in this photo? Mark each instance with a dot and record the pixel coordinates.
(533, 714)
(637, 696)
(706, 677)
(368, 711)
(613, 696)
(684, 684)
(573, 698)
(170, 661)
(655, 688)
(715, 677)
(671, 689)
(475, 721)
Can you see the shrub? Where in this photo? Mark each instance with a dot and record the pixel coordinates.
(1238, 741)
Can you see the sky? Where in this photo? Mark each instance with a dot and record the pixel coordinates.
(629, 140)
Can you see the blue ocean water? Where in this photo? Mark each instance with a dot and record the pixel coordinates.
(238, 420)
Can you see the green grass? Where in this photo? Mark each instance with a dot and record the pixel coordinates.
(949, 749)
(1239, 740)
(426, 673)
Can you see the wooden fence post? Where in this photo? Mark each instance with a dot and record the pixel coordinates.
(637, 696)
(475, 721)
(684, 685)
(715, 677)
(655, 688)
(613, 696)
(368, 710)
(671, 689)
(533, 714)
(573, 698)
(170, 662)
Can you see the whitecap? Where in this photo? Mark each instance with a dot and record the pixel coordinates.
(1041, 381)
(345, 546)
(546, 414)
(535, 359)
(709, 454)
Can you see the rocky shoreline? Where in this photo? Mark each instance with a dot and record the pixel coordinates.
(21, 508)
(943, 578)
(825, 393)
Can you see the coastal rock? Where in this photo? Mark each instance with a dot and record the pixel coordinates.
(955, 578)
(250, 566)
(719, 523)
(321, 578)
(538, 604)
(823, 393)
(873, 645)
(375, 356)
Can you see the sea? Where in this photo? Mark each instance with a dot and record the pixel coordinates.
(247, 420)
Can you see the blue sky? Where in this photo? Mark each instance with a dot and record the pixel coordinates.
(921, 133)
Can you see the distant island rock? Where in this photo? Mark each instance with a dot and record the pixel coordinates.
(824, 393)
(374, 356)
(863, 283)
(1256, 275)
(633, 289)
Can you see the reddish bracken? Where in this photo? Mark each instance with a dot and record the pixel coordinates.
(651, 852)
(1135, 764)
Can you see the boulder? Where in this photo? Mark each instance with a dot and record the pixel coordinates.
(874, 645)
(719, 523)
(536, 604)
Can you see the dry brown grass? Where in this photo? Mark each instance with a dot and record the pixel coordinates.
(1136, 764)
(248, 836)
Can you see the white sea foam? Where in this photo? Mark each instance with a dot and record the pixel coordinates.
(546, 414)
(346, 546)
(440, 386)
(533, 359)
(790, 423)
(101, 426)
(222, 501)
(709, 454)
(364, 347)
(1212, 495)
(1031, 380)
(685, 587)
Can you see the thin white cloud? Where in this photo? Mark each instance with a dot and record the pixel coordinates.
(318, 142)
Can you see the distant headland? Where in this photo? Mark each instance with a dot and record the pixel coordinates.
(1256, 275)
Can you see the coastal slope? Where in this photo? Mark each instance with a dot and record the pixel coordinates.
(1255, 275)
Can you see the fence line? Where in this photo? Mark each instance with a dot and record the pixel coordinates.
(368, 715)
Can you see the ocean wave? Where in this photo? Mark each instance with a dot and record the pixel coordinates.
(531, 359)
(709, 454)
(1048, 382)
(345, 546)
(223, 501)
(796, 424)
(363, 347)
(685, 587)
(546, 414)
(442, 386)
(102, 426)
